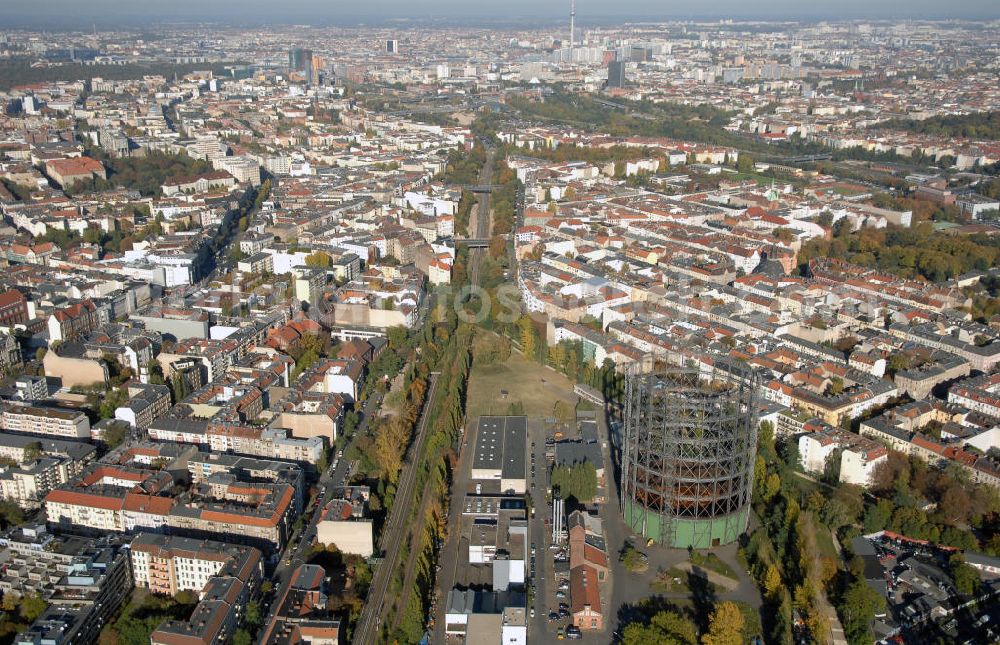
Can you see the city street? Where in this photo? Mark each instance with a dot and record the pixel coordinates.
(337, 474)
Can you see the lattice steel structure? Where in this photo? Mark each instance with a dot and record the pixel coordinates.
(688, 454)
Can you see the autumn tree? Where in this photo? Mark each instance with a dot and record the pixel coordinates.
(31, 607)
(860, 605)
(966, 578)
(390, 440)
(319, 260)
(725, 625)
(529, 336)
(772, 582)
(664, 627)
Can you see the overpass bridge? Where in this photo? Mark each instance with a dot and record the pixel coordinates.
(480, 188)
(473, 243)
(809, 158)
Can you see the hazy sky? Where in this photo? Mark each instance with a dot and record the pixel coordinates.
(109, 12)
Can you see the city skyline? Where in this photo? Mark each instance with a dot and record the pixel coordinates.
(65, 14)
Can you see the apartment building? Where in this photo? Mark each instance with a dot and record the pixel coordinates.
(258, 514)
(223, 598)
(84, 598)
(300, 614)
(858, 456)
(203, 465)
(27, 484)
(345, 524)
(20, 447)
(246, 170)
(981, 394)
(52, 422)
(120, 499)
(13, 308)
(908, 429)
(167, 564)
(73, 321)
(71, 171)
(146, 403)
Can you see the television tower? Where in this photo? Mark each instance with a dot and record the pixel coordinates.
(572, 23)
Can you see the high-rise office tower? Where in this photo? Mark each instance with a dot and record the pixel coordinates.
(300, 60)
(315, 66)
(616, 74)
(294, 59)
(392, 46)
(641, 54)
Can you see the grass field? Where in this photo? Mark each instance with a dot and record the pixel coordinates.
(824, 540)
(536, 388)
(714, 563)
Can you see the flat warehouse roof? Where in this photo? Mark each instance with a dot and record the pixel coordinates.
(515, 448)
(501, 445)
(489, 444)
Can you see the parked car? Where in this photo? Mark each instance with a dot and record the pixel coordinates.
(573, 632)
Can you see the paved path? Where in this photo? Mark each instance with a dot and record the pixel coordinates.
(715, 578)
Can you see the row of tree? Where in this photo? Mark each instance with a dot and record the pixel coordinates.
(464, 213)
(447, 418)
(20, 71)
(504, 200)
(380, 453)
(445, 344)
(463, 165)
(915, 252)
(976, 125)
(729, 623)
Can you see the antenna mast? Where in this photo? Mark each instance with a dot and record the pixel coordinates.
(572, 23)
